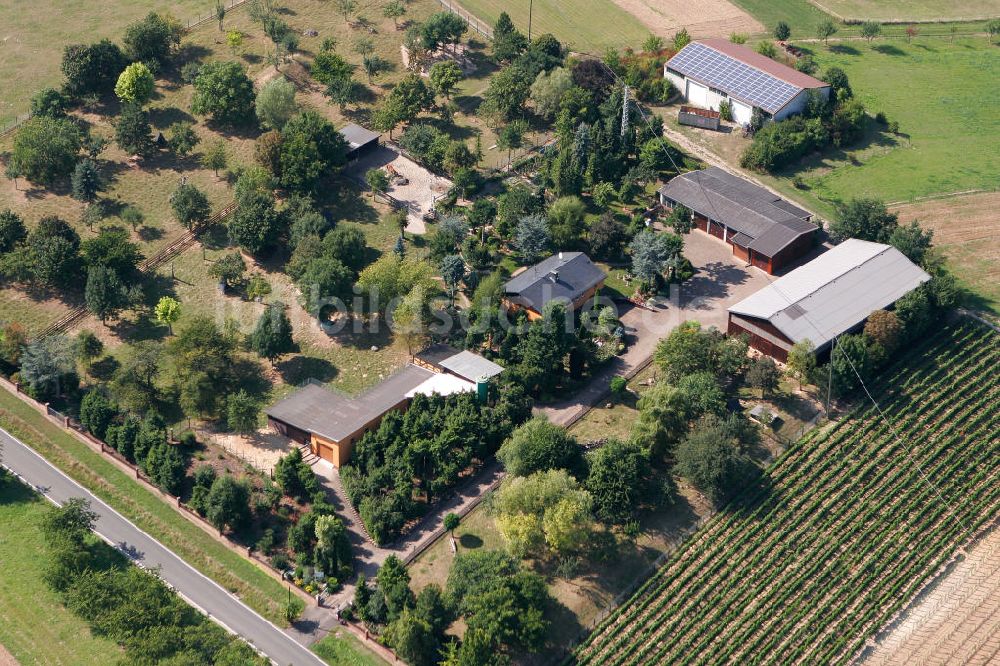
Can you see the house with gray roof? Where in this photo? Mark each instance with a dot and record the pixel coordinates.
(709, 72)
(761, 228)
(831, 295)
(331, 423)
(567, 277)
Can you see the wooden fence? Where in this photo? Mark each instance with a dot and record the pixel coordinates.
(147, 267)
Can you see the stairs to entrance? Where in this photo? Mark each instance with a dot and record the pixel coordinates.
(308, 457)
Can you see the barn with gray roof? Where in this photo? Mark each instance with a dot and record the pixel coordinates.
(761, 228)
(831, 295)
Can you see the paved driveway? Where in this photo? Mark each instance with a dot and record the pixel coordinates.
(720, 280)
(418, 195)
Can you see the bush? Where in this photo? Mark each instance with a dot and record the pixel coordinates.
(618, 385)
(726, 110)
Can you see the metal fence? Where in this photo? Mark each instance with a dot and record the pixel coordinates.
(476, 24)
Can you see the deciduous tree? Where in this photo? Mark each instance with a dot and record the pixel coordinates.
(272, 336)
(133, 133)
(224, 91)
(168, 311)
(46, 149)
(92, 69)
(135, 84)
(276, 103)
(190, 205)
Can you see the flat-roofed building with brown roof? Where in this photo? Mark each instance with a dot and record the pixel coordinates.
(331, 423)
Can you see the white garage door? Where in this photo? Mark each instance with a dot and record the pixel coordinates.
(741, 112)
(697, 94)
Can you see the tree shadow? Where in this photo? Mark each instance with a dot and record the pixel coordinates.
(453, 130)
(250, 376)
(470, 541)
(189, 52)
(149, 234)
(469, 103)
(889, 50)
(215, 237)
(298, 369)
(844, 49)
(103, 368)
(345, 201)
(166, 116)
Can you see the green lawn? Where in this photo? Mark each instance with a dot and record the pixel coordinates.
(342, 649)
(34, 625)
(35, 33)
(587, 25)
(943, 95)
(199, 549)
(801, 16)
(913, 10)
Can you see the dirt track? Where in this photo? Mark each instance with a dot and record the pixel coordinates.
(706, 18)
(956, 622)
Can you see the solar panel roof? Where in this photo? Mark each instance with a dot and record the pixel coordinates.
(737, 79)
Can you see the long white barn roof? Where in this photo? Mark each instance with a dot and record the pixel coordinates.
(834, 292)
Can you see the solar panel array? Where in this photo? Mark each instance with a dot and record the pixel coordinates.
(718, 70)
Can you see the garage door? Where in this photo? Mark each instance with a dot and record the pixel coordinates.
(741, 112)
(697, 94)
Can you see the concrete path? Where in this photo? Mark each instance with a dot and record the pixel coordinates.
(200, 591)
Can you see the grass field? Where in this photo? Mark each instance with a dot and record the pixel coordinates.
(801, 16)
(340, 648)
(582, 25)
(913, 10)
(943, 97)
(199, 549)
(34, 34)
(841, 532)
(34, 625)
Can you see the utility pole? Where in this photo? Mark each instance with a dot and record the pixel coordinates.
(829, 381)
(530, 4)
(625, 111)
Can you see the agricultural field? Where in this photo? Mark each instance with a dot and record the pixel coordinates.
(583, 25)
(967, 231)
(898, 11)
(843, 530)
(34, 625)
(956, 620)
(34, 35)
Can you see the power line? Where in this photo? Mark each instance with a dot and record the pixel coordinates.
(771, 282)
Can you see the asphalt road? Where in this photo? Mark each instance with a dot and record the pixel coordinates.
(199, 591)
